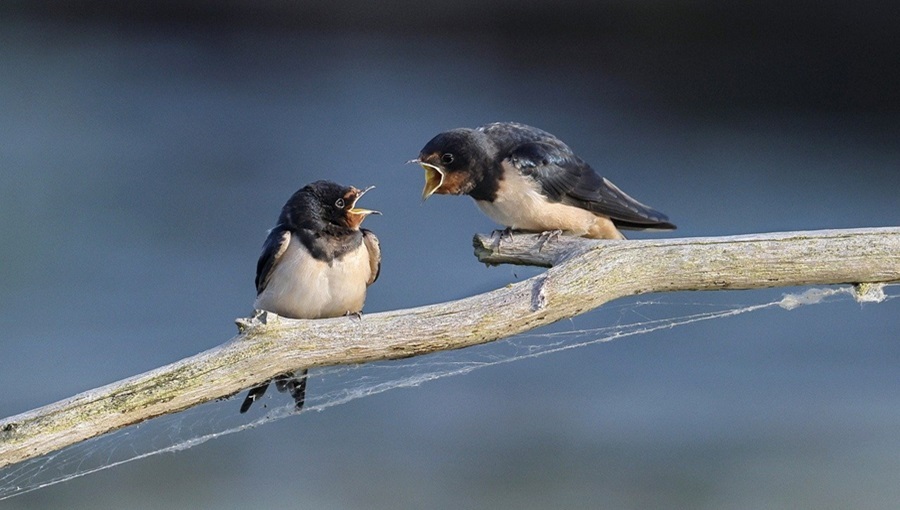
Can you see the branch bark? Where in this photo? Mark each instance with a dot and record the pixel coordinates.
(584, 275)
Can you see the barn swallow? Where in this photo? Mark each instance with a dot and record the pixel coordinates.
(317, 262)
(527, 179)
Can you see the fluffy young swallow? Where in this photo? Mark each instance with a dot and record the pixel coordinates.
(527, 179)
(317, 262)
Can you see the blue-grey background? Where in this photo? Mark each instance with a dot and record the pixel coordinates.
(145, 149)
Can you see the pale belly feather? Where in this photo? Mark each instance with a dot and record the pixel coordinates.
(520, 206)
(303, 287)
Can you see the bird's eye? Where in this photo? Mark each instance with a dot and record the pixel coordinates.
(339, 203)
(446, 158)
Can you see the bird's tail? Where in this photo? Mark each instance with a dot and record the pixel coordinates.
(286, 382)
(294, 384)
(253, 395)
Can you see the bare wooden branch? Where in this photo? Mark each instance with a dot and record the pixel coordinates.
(585, 274)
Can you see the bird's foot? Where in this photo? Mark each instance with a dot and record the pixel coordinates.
(502, 235)
(548, 236)
(354, 315)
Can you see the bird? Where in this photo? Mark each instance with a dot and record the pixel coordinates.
(316, 262)
(527, 179)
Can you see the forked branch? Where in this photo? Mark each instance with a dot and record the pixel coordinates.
(584, 275)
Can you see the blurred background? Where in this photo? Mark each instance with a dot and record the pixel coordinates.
(146, 147)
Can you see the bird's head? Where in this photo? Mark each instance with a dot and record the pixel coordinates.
(338, 204)
(452, 162)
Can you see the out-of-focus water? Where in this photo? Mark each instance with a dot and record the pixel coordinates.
(140, 170)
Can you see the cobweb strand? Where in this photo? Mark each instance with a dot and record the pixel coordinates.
(342, 384)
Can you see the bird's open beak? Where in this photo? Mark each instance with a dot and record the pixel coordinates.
(358, 211)
(434, 177)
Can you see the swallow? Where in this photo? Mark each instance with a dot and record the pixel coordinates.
(317, 262)
(527, 179)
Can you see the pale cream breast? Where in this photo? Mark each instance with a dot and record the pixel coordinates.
(520, 206)
(306, 288)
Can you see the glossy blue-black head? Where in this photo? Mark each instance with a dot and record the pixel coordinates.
(326, 202)
(454, 161)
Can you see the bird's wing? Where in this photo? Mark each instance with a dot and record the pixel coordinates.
(374, 249)
(564, 177)
(273, 249)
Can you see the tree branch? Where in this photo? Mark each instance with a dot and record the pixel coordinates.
(585, 275)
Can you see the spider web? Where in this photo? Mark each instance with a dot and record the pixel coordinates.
(338, 385)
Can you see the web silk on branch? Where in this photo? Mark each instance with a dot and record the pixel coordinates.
(338, 385)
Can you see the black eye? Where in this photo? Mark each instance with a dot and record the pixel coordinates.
(339, 203)
(446, 158)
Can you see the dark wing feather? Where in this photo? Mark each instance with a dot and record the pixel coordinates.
(294, 384)
(274, 247)
(565, 178)
(374, 249)
(253, 395)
